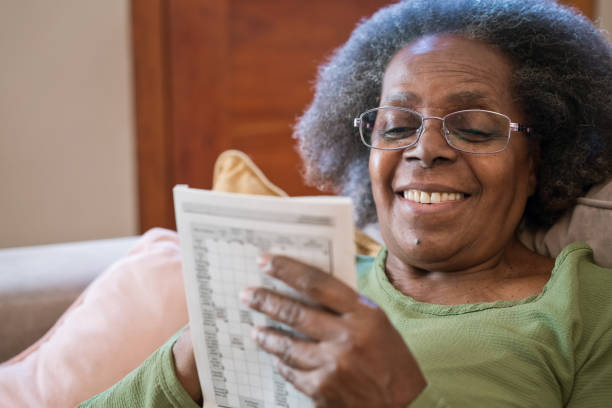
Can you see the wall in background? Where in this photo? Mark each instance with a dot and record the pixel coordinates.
(604, 15)
(67, 159)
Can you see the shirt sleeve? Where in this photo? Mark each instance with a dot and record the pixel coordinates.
(153, 384)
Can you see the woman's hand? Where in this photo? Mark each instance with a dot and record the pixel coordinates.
(185, 365)
(354, 356)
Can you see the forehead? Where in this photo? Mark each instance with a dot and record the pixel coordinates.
(448, 69)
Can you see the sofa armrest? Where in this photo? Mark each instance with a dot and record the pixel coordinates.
(38, 283)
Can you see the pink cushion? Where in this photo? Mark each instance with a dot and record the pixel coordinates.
(107, 332)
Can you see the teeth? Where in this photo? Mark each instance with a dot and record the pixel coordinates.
(425, 197)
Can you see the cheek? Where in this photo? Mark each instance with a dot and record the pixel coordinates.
(374, 166)
(507, 180)
(381, 167)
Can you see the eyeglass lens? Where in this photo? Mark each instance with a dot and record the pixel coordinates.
(471, 131)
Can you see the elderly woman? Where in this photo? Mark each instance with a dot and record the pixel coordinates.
(475, 117)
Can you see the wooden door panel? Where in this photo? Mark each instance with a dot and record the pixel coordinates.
(211, 75)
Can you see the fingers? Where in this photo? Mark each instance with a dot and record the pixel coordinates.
(314, 283)
(315, 384)
(315, 323)
(291, 351)
(305, 381)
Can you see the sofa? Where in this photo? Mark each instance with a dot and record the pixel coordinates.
(38, 283)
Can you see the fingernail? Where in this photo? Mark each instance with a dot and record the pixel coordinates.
(256, 334)
(246, 295)
(263, 260)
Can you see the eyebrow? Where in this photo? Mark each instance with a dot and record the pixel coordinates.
(468, 98)
(401, 98)
(463, 98)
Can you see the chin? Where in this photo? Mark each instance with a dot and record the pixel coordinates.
(428, 254)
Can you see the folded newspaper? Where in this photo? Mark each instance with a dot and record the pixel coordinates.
(220, 236)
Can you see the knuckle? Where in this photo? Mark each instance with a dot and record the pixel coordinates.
(345, 337)
(287, 357)
(291, 313)
(310, 283)
(305, 278)
(278, 264)
(258, 298)
(353, 342)
(265, 339)
(285, 351)
(286, 372)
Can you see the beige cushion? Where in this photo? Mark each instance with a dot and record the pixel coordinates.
(235, 172)
(590, 221)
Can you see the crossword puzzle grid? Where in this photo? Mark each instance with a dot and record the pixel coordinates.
(243, 375)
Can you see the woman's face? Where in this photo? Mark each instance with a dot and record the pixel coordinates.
(435, 76)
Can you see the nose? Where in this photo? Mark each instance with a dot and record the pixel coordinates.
(431, 148)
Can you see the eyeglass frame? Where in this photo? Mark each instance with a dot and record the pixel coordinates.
(513, 126)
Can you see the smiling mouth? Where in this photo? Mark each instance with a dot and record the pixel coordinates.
(426, 197)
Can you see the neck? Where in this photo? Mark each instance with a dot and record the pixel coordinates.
(512, 273)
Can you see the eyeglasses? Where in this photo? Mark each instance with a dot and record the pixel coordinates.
(472, 130)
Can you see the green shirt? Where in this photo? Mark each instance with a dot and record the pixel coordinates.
(152, 384)
(549, 350)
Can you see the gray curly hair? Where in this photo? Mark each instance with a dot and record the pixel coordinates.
(562, 78)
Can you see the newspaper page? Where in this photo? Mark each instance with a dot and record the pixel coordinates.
(220, 236)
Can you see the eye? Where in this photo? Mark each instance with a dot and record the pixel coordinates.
(397, 133)
(473, 135)
(477, 126)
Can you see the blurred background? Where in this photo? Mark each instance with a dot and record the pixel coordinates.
(107, 104)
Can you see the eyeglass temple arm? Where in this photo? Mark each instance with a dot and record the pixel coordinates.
(517, 127)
